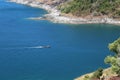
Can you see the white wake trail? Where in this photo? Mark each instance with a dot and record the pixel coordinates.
(34, 47)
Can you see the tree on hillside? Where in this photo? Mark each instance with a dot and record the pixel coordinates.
(97, 74)
(114, 61)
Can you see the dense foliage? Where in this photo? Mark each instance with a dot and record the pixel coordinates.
(98, 73)
(110, 8)
(114, 60)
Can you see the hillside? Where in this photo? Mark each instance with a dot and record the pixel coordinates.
(110, 8)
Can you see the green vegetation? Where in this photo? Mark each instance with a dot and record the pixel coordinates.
(86, 77)
(97, 74)
(110, 8)
(114, 47)
(114, 60)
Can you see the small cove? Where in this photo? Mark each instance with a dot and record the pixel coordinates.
(75, 49)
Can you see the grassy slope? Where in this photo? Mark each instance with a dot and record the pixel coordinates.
(111, 8)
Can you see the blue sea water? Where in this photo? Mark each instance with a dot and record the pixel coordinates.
(75, 49)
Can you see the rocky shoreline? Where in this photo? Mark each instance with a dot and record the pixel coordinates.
(107, 75)
(56, 17)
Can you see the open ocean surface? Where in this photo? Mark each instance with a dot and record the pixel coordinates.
(75, 49)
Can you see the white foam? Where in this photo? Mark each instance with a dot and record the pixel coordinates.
(36, 47)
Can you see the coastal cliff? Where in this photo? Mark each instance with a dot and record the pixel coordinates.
(57, 16)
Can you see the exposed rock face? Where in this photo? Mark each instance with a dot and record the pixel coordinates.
(52, 2)
(114, 78)
(48, 2)
(110, 78)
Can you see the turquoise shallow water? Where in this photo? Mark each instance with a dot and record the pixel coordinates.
(75, 49)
